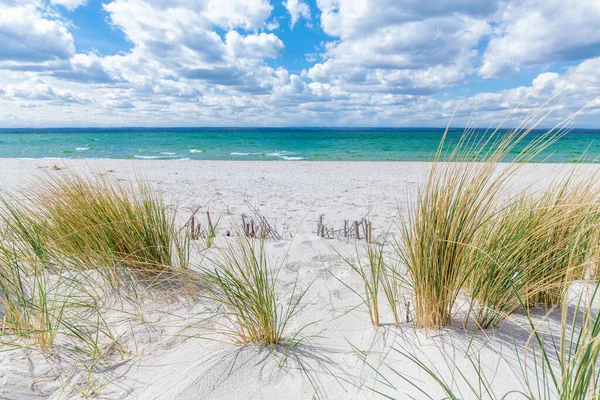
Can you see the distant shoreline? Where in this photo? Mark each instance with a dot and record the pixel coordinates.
(277, 161)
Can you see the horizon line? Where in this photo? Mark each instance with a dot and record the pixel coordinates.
(289, 127)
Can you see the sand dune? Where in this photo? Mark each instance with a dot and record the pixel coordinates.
(172, 356)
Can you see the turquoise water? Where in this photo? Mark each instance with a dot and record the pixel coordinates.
(259, 144)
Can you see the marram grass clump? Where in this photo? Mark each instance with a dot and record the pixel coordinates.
(97, 223)
(533, 248)
(458, 197)
(47, 310)
(564, 368)
(464, 185)
(28, 308)
(243, 284)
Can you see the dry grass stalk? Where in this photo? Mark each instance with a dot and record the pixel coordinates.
(198, 231)
(372, 273)
(357, 230)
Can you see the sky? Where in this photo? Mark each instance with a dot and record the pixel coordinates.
(411, 63)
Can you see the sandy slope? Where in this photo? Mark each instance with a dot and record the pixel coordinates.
(342, 355)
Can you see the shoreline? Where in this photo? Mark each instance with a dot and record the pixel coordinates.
(236, 160)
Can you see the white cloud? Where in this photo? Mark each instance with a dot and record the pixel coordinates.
(352, 18)
(574, 89)
(231, 14)
(542, 31)
(259, 46)
(37, 89)
(179, 37)
(29, 36)
(297, 9)
(415, 49)
(70, 4)
(219, 62)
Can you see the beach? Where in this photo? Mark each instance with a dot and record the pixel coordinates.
(299, 199)
(168, 352)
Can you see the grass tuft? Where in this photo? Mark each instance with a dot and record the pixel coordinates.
(243, 284)
(535, 246)
(97, 223)
(461, 192)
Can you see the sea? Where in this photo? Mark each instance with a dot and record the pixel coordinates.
(260, 144)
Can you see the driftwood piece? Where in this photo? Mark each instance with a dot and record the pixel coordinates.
(257, 226)
(358, 230)
(260, 229)
(195, 228)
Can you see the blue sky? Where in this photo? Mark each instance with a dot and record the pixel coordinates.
(295, 62)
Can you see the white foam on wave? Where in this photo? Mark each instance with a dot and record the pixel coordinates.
(147, 157)
(239, 154)
(196, 151)
(82, 148)
(166, 153)
(279, 154)
(285, 155)
(291, 158)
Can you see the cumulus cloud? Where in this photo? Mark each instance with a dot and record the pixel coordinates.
(36, 89)
(259, 46)
(418, 48)
(29, 36)
(542, 31)
(297, 9)
(179, 38)
(351, 18)
(424, 47)
(576, 88)
(217, 62)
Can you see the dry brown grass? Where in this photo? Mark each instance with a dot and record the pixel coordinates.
(457, 199)
(97, 223)
(533, 249)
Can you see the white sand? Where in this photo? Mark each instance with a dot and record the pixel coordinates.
(343, 355)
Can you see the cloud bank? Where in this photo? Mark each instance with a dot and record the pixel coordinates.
(233, 63)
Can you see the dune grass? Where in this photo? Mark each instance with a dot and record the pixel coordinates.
(39, 308)
(371, 274)
(377, 275)
(461, 192)
(392, 283)
(579, 349)
(60, 242)
(243, 284)
(564, 368)
(532, 249)
(97, 223)
(28, 307)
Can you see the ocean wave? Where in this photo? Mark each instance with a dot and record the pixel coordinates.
(196, 151)
(166, 153)
(148, 157)
(239, 154)
(285, 155)
(82, 148)
(279, 153)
